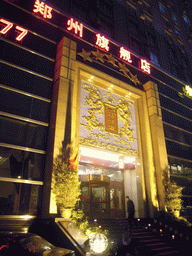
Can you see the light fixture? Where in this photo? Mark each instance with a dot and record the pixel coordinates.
(99, 154)
(98, 243)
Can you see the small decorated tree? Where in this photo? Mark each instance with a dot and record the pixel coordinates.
(173, 194)
(66, 184)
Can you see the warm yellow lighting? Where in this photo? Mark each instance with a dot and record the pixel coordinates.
(99, 154)
(128, 160)
(121, 163)
(112, 85)
(92, 77)
(98, 243)
(188, 90)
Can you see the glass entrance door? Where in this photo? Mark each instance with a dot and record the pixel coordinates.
(99, 200)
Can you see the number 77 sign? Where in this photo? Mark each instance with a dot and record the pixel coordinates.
(8, 25)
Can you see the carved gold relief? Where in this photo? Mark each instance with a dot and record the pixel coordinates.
(114, 111)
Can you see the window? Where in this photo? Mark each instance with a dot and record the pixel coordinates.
(106, 9)
(134, 27)
(162, 8)
(105, 26)
(136, 45)
(177, 32)
(174, 18)
(80, 11)
(186, 19)
(151, 39)
(154, 58)
(21, 180)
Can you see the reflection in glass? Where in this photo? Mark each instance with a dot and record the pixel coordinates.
(21, 164)
(99, 194)
(99, 206)
(19, 199)
(85, 191)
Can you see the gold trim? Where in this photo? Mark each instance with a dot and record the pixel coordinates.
(24, 93)
(26, 70)
(5, 145)
(108, 147)
(32, 182)
(23, 118)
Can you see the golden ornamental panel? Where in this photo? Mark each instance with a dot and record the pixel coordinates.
(107, 119)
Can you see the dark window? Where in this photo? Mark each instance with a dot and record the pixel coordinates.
(105, 26)
(174, 18)
(19, 104)
(17, 197)
(136, 45)
(176, 120)
(133, 26)
(106, 9)
(25, 81)
(177, 135)
(162, 8)
(24, 134)
(175, 107)
(178, 150)
(80, 11)
(186, 19)
(154, 58)
(26, 59)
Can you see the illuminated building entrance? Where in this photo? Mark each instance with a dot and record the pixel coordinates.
(102, 184)
(108, 149)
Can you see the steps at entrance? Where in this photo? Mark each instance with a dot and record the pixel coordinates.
(148, 242)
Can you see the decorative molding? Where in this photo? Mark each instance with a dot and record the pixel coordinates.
(88, 142)
(103, 57)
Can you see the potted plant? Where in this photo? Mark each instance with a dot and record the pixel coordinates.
(66, 184)
(173, 194)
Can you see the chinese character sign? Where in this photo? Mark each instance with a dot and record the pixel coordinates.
(111, 124)
(125, 55)
(102, 42)
(43, 9)
(188, 91)
(76, 26)
(145, 66)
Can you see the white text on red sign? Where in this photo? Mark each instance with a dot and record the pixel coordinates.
(8, 25)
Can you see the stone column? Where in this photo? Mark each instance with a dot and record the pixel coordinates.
(64, 76)
(158, 138)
